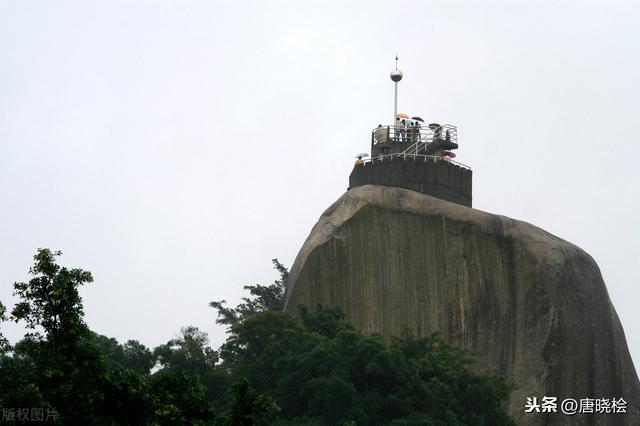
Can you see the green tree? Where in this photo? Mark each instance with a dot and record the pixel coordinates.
(4, 343)
(249, 407)
(131, 355)
(20, 378)
(128, 399)
(263, 298)
(61, 367)
(320, 370)
(137, 357)
(189, 353)
(51, 300)
(87, 378)
(180, 399)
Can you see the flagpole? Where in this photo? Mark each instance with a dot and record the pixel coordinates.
(396, 76)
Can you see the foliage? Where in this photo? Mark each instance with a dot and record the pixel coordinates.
(250, 408)
(132, 355)
(61, 368)
(87, 378)
(181, 398)
(264, 298)
(189, 353)
(4, 343)
(274, 368)
(51, 300)
(320, 370)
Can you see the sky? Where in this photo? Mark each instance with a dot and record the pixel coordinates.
(174, 148)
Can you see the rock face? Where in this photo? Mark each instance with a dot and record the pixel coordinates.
(532, 306)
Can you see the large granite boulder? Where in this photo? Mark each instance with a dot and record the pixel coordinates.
(532, 306)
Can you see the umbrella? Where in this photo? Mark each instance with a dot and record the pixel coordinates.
(364, 154)
(417, 119)
(402, 115)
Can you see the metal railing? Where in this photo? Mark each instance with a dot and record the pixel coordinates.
(417, 139)
(383, 135)
(403, 156)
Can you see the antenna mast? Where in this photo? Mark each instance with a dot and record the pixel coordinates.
(396, 76)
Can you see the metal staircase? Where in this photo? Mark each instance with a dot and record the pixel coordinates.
(420, 146)
(444, 137)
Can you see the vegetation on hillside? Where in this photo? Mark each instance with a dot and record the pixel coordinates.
(274, 368)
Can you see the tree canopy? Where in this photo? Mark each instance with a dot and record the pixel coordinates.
(320, 370)
(311, 368)
(262, 298)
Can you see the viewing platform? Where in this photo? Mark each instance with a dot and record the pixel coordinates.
(429, 139)
(418, 158)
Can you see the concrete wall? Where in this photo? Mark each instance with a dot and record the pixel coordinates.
(440, 179)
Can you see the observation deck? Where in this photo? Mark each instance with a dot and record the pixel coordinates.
(418, 158)
(429, 140)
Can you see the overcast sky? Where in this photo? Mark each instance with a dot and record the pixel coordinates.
(174, 148)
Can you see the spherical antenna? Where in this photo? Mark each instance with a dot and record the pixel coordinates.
(396, 75)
